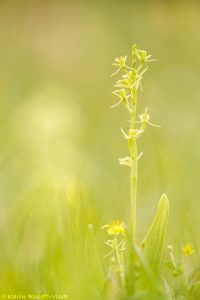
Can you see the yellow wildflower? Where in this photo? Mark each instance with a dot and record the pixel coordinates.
(187, 250)
(115, 227)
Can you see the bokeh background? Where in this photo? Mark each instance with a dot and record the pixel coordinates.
(60, 141)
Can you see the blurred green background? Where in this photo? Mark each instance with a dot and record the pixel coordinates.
(60, 141)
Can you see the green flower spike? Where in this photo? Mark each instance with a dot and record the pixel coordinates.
(142, 262)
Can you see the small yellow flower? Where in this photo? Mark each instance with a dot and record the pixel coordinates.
(187, 250)
(115, 227)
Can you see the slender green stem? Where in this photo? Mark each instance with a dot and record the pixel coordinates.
(120, 262)
(134, 167)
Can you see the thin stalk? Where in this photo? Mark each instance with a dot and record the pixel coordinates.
(134, 167)
(120, 262)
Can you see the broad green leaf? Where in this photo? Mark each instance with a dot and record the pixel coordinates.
(153, 242)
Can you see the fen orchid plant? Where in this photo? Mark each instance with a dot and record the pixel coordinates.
(136, 270)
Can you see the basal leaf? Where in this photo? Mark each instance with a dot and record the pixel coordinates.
(153, 242)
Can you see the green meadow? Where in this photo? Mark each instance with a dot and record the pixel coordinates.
(60, 144)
